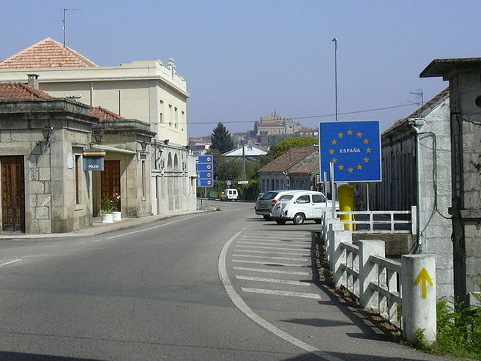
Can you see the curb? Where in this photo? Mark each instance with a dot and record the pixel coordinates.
(100, 229)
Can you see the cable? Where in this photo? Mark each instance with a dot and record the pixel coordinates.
(327, 115)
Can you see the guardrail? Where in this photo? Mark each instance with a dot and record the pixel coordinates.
(403, 293)
(381, 221)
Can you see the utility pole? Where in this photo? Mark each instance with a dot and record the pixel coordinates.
(64, 21)
(243, 162)
(334, 40)
(420, 94)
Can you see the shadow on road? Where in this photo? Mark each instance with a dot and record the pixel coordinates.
(20, 356)
(328, 356)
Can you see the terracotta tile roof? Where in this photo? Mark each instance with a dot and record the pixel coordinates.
(288, 159)
(307, 166)
(421, 111)
(21, 92)
(104, 115)
(47, 53)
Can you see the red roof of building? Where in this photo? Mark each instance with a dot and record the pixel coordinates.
(47, 53)
(104, 115)
(21, 92)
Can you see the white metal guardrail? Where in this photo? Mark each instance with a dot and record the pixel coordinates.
(403, 292)
(381, 221)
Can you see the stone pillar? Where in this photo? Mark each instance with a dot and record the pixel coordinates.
(418, 277)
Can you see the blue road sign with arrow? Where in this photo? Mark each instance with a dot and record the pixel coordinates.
(355, 149)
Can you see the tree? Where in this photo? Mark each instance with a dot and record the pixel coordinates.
(221, 139)
(282, 147)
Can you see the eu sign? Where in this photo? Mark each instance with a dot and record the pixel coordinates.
(354, 147)
(205, 171)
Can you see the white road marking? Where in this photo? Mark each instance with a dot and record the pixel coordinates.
(313, 296)
(10, 262)
(148, 229)
(272, 280)
(300, 259)
(249, 246)
(246, 310)
(277, 239)
(300, 246)
(293, 253)
(267, 270)
(270, 263)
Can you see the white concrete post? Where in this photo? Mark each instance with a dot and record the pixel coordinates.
(332, 226)
(337, 255)
(418, 277)
(368, 271)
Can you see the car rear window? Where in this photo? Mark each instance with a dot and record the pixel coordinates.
(269, 195)
(286, 197)
(317, 198)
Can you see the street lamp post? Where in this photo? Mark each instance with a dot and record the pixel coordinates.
(334, 40)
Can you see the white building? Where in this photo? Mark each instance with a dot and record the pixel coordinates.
(150, 91)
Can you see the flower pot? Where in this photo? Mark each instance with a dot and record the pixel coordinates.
(107, 218)
(117, 216)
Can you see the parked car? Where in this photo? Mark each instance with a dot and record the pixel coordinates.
(231, 194)
(267, 200)
(301, 207)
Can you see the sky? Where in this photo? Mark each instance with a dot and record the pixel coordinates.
(245, 59)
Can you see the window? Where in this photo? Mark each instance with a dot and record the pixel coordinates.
(161, 112)
(286, 197)
(317, 198)
(170, 115)
(77, 178)
(182, 119)
(268, 196)
(304, 199)
(176, 117)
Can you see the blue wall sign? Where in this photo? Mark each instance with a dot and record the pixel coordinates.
(355, 149)
(205, 171)
(93, 164)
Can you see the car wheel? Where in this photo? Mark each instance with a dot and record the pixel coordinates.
(280, 221)
(299, 218)
(267, 218)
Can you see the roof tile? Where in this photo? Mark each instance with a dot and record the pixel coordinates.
(21, 92)
(288, 159)
(47, 53)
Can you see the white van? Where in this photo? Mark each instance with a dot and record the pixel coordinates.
(231, 194)
(302, 206)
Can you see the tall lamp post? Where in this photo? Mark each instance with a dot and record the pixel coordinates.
(334, 40)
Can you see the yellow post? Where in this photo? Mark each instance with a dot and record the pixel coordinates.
(347, 203)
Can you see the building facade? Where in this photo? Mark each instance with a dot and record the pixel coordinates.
(45, 144)
(282, 173)
(150, 91)
(424, 182)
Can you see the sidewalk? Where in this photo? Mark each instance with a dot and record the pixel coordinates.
(99, 228)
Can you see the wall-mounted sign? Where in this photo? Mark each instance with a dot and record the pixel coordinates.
(354, 147)
(95, 164)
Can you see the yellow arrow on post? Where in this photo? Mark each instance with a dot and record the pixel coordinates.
(424, 281)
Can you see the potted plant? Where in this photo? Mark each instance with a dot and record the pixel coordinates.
(107, 208)
(117, 214)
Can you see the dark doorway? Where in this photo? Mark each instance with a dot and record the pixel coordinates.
(110, 183)
(13, 193)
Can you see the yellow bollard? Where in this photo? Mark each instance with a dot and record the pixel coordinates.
(347, 203)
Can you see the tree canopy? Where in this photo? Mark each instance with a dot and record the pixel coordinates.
(282, 147)
(221, 139)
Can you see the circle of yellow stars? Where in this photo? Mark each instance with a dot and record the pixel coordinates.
(342, 135)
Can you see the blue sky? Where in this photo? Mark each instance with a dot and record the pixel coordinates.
(245, 59)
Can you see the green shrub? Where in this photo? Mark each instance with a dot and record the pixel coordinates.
(458, 330)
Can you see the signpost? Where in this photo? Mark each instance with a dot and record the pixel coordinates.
(205, 171)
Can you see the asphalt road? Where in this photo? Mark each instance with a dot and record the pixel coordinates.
(154, 293)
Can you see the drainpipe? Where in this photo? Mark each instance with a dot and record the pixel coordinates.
(417, 124)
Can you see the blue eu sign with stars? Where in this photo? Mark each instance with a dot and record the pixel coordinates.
(354, 147)
(205, 171)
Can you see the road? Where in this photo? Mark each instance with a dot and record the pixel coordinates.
(216, 286)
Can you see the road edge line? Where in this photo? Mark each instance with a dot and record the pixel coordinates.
(247, 311)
